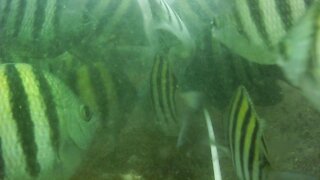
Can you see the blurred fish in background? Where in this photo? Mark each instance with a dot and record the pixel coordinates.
(252, 29)
(167, 34)
(158, 15)
(213, 67)
(177, 112)
(197, 15)
(46, 29)
(163, 86)
(45, 130)
(275, 39)
(299, 55)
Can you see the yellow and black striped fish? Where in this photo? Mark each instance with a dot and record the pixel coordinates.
(95, 86)
(245, 138)
(44, 128)
(252, 28)
(106, 91)
(247, 144)
(49, 27)
(299, 55)
(163, 86)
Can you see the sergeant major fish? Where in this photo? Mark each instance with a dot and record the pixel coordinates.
(245, 138)
(163, 86)
(247, 144)
(47, 28)
(105, 91)
(253, 28)
(44, 128)
(176, 112)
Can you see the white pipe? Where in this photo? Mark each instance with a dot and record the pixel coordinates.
(214, 151)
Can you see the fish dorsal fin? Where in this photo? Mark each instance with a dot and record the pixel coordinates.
(158, 15)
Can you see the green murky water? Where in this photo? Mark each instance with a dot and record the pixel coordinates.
(145, 70)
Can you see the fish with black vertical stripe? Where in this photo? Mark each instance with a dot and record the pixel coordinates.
(163, 86)
(247, 143)
(44, 128)
(46, 28)
(176, 112)
(245, 138)
(253, 28)
(106, 90)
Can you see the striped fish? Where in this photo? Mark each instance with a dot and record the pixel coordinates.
(247, 144)
(252, 28)
(95, 86)
(44, 128)
(245, 138)
(159, 17)
(163, 86)
(299, 55)
(49, 27)
(107, 92)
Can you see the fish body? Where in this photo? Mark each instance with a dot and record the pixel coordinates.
(247, 143)
(245, 138)
(252, 28)
(299, 55)
(44, 128)
(49, 27)
(163, 86)
(177, 113)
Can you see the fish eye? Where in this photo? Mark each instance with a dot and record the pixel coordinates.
(86, 113)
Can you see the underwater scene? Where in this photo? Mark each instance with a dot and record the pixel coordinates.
(160, 89)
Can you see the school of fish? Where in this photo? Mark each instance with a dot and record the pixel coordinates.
(66, 74)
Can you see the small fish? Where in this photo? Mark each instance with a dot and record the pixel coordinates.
(248, 150)
(299, 55)
(44, 128)
(159, 16)
(163, 86)
(253, 28)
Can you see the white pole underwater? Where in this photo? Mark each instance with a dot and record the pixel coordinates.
(214, 151)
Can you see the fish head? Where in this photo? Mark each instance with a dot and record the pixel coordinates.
(78, 122)
(82, 125)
